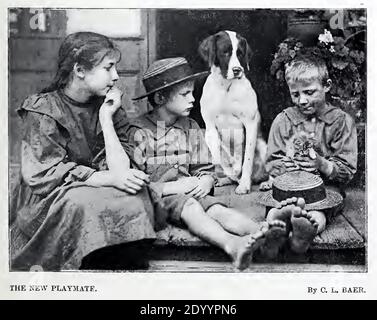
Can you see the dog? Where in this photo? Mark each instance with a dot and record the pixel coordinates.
(230, 110)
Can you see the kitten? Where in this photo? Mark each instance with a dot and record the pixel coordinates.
(300, 144)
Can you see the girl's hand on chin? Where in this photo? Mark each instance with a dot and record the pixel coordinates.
(112, 103)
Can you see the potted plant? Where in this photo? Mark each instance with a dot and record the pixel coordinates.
(305, 25)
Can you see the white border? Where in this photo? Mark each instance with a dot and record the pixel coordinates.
(180, 285)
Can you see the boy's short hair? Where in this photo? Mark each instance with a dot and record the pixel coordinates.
(297, 69)
(167, 92)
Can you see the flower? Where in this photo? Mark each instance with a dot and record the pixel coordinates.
(326, 37)
(345, 62)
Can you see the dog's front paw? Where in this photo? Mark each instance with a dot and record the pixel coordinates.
(243, 189)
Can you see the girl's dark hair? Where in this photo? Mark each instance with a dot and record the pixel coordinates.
(87, 49)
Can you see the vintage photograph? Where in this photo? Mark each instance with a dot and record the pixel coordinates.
(187, 140)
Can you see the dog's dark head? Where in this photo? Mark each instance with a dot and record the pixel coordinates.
(228, 51)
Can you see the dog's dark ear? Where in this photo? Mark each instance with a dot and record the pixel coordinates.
(207, 49)
(247, 51)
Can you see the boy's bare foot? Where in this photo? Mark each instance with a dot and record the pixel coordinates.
(265, 185)
(242, 253)
(284, 211)
(275, 238)
(304, 230)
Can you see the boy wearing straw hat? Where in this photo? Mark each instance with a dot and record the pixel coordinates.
(170, 147)
(311, 136)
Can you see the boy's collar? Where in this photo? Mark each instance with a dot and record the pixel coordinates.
(180, 123)
(326, 114)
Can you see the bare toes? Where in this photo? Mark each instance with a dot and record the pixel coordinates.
(301, 203)
(277, 223)
(264, 186)
(291, 200)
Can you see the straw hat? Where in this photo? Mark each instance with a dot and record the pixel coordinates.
(167, 72)
(301, 184)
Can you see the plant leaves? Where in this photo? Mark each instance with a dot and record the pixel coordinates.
(339, 64)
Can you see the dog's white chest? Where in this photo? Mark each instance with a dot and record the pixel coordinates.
(235, 97)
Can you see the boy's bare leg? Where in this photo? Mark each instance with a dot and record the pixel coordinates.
(237, 223)
(240, 249)
(232, 220)
(304, 228)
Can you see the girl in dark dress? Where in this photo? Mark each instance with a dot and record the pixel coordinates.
(77, 192)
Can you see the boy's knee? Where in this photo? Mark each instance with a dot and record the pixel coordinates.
(216, 209)
(190, 209)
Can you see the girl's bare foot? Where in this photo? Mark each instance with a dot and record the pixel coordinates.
(275, 238)
(304, 230)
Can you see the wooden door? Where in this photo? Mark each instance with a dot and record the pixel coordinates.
(33, 49)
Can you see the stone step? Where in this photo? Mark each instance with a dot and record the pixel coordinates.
(227, 267)
(213, 254)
